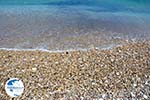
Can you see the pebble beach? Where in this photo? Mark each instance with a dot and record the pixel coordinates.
(120, 73)
(74, 49)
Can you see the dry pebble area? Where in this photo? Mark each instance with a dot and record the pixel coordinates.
(122, 73)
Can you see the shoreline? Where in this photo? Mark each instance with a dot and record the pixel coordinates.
(44, 50)
(109, 47)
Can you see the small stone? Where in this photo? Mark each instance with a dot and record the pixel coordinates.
(36, 65)
(47, 95)
(145, 96)
(93, 83)
(25, 59)
(2, 84)
(117, 73)
(132, 94)
(146, 83)
(33, 59)
(45, 63)
(134, 84)
(104, 95)
(112, 60)
(34, 69)
(82, 98)
(56, 62)
(23, 70)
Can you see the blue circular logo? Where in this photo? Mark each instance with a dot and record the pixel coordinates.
(14, 87)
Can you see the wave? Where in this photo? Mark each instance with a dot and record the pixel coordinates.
(67, 50)
(43, 50)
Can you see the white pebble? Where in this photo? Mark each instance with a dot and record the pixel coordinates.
(34, 69)
(23, 70)
(56, 62)
(146, 82)
(104, 95)
(145, 96)
(33, 59)
(132, 94)
(117, 73)
(134, 84)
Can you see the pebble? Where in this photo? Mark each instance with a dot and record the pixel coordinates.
(145, 96)
(56, 62)
(34, 69)
(117, 73)
(23, 70)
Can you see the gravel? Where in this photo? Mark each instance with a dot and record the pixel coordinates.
(121, 73)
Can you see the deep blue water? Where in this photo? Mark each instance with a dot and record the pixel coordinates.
(69, 24)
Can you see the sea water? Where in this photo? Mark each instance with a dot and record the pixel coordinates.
(72, 24)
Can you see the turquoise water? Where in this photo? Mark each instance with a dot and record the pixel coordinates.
(71, 24)
(109, 4)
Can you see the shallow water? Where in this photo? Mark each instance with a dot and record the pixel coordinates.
(62, 24)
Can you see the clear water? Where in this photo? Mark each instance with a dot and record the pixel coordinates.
(68, 24)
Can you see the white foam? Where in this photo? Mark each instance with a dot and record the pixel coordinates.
(109, 47)
(43, 50)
